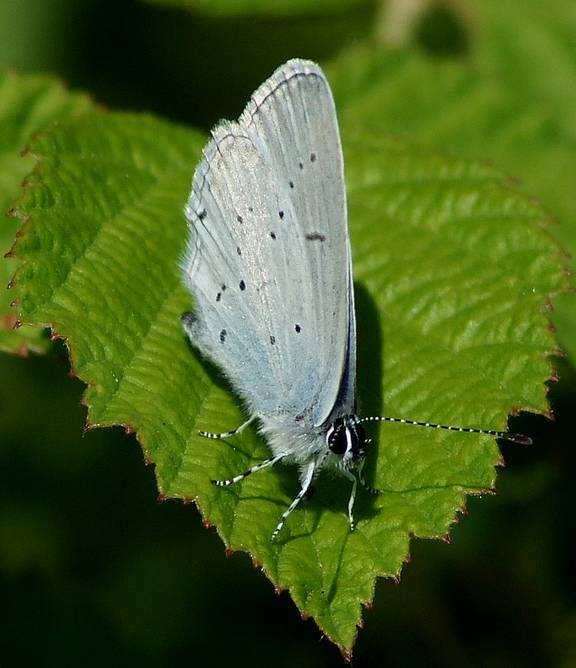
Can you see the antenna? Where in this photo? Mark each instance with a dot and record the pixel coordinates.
(507, 436)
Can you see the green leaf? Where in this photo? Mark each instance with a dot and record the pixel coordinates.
(534, 54)
(452, 267)
(273, 8)
(461, 109)
(27, 105)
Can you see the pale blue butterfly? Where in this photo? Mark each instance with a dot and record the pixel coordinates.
(268, 262)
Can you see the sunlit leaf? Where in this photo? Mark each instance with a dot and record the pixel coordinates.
(460, 109)
(452, 268)
(27, 105)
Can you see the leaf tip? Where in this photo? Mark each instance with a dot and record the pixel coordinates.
(161, 497)
(229, 552)
(347, 655)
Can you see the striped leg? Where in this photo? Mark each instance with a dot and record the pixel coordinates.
(258, 467)
(305, 485)
(363, 482)
(354, 480)
(227, 434)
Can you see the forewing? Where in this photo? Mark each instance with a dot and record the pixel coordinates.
(268, 255)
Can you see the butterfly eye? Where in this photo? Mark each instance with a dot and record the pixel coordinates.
(347, 439)
(339, 440)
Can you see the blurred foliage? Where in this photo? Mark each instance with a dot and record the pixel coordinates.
(89, 563)
(273, 8)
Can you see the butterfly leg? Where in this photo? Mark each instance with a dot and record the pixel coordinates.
(227, 434)
(352, 498)
(258, 467)
(319, 464)
(305, 485)
(364, 484)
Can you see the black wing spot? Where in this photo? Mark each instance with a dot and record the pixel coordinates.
(188, 318)
(239, 218)
(273, 235)
(223, 334)
(300, 165)
(218, 296)
(272, 340)
(315, 236)
(223, 287)
(238, 250)
(202, 214)
(291, 184)
(281, 214)
(298, 329)
(312, 157)
(242, 285)
(250, 209)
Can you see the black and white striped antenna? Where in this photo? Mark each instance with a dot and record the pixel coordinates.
(507, 436)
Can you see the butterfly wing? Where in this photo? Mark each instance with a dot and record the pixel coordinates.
(268, 257)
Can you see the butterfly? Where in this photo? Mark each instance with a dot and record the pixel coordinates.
(269, 264)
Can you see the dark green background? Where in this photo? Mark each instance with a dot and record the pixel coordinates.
(94, 570)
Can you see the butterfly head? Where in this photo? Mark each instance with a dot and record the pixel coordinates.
(346, 439)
